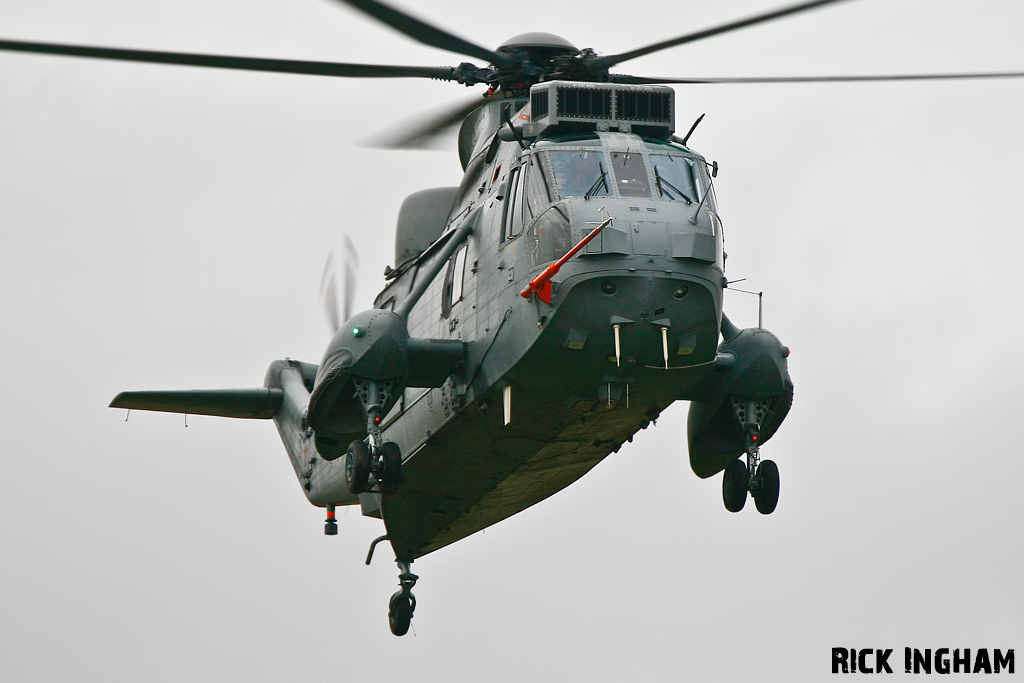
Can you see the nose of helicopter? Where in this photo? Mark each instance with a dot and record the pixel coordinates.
(641, 319)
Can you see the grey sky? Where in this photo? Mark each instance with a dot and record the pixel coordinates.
(165, 227)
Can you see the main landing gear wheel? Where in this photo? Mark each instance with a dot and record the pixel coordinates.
(734, 486)
(391, 467)
(357, 467)
(766, 495)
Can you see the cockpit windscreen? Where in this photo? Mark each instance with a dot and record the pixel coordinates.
(580, 173)
(631, 174)
(674, 178)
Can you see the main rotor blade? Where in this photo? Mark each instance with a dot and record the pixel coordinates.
(242, 63)
(421, 133)
(423, 32)
(640, 80)
(611, 60)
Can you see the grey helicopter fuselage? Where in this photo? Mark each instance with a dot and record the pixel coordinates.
(499, 401)
(485, 379)
(538, 315)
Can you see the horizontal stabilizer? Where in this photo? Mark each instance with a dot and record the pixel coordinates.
(260, 403)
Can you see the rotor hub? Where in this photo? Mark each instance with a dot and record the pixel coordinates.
(536, 41)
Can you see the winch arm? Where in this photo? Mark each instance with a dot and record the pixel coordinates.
(439, 261)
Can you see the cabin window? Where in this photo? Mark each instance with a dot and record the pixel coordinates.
(630, 174)
(452, 291)
(674, 178)
(580, 173)
(459, 275)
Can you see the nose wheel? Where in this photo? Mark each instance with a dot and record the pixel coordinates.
(403, 603)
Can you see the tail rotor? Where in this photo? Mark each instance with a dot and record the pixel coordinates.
(338, 308)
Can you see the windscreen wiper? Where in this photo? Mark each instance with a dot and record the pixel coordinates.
(600, 181)
(670, 186)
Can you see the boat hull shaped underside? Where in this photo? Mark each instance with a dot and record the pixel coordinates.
(571, 406)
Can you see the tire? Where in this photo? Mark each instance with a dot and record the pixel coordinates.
(357, 467)
(734, 486)
(391, 476)
(768, 487)
(400, 614)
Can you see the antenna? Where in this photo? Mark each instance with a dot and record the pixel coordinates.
(760, 300)
(692, 128)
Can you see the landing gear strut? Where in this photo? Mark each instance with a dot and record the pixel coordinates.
(763, 482)
(760, 478)
(403, 603)
(382, 459)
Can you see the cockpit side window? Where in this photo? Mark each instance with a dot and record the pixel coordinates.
(550, 236)
(512, 222)
(630, 174)
(705, 186)
(580, 173)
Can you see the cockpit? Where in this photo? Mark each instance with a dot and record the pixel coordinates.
(560, 173)
(653, 172)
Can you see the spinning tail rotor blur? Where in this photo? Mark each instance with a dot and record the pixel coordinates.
(338, 308)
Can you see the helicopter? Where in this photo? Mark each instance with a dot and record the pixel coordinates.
(435, 410)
